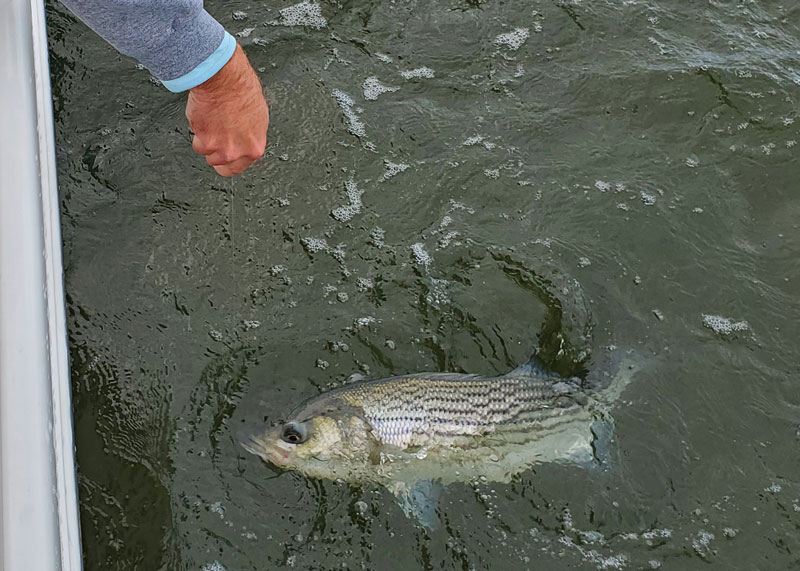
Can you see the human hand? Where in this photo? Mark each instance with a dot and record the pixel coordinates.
(229, 117)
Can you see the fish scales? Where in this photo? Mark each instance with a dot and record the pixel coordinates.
(420, 411)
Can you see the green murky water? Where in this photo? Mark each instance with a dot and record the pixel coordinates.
(613, 173)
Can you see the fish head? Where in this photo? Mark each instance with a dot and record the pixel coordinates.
(327, 442)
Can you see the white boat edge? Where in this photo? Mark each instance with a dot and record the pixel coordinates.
(39, 525)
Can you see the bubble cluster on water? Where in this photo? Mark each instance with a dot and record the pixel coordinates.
(514, 39)
(492, 173)
(701, 543)
(364, 284)
(346, 212)
(307, 14)
(723, 325)
(421, 257)
(277, 269)
(418, 73)
(239, 15)
(378, 237)
(383, 57)
(356, 127)
(251, 324)
(313, 245)
(447, 238)
(647, 198)
(217, 508)
(214, 566)
(583, 262)
(373, 88)
(364, 321)
(392, 169)
(437, 295)
(245, 33)
(479, 139)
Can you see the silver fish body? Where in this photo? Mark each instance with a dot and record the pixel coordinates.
(440, 427)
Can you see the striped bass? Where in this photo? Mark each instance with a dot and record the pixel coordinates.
(408, 431)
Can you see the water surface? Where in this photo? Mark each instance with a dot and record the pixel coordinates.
(448, 185)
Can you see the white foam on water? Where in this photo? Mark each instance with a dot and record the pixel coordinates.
(373, 88)
(723, 325)
(217, 508)
(364, 284)
(602, 186)
(378, 237)
(421, 257)
(647, 198)
(438, 292)
(346, 212)
(307, 14)
(492, 173)
(277, 269)
(692, 162)
(251, 324)
(347, 104)
(419, 73)
(364, 321)
(314, 245)
(701, 543)
(447, 238)
(384, 58)
(214, 566)
(239, 15)
(476, 139)
(583, 262)
(392, 169)
(514, 39)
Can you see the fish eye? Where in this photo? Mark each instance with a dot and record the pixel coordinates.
(294, 433)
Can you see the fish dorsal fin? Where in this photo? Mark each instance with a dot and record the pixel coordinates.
(533, 367)
(450, 376)
(419, 501)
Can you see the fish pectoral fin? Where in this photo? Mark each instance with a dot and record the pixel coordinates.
(419, 501)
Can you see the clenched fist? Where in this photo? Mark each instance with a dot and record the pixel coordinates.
(229, 117)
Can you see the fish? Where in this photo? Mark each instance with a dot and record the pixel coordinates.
(413, 434)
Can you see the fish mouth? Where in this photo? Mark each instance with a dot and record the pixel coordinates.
(267, 446)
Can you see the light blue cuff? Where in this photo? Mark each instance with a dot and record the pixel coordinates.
(207, 68)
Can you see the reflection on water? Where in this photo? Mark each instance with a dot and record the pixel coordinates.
(448, 186)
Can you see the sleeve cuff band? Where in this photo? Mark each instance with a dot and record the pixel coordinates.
(206, 69)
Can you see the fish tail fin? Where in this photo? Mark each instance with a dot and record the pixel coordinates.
(420, 501)
(533, 367)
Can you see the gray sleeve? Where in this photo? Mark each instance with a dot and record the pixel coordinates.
(169, 37)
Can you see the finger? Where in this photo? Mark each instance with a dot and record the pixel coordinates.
(224, 171)
(234, 167)
(200, 146)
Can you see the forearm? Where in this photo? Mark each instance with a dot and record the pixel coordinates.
(177, 40)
